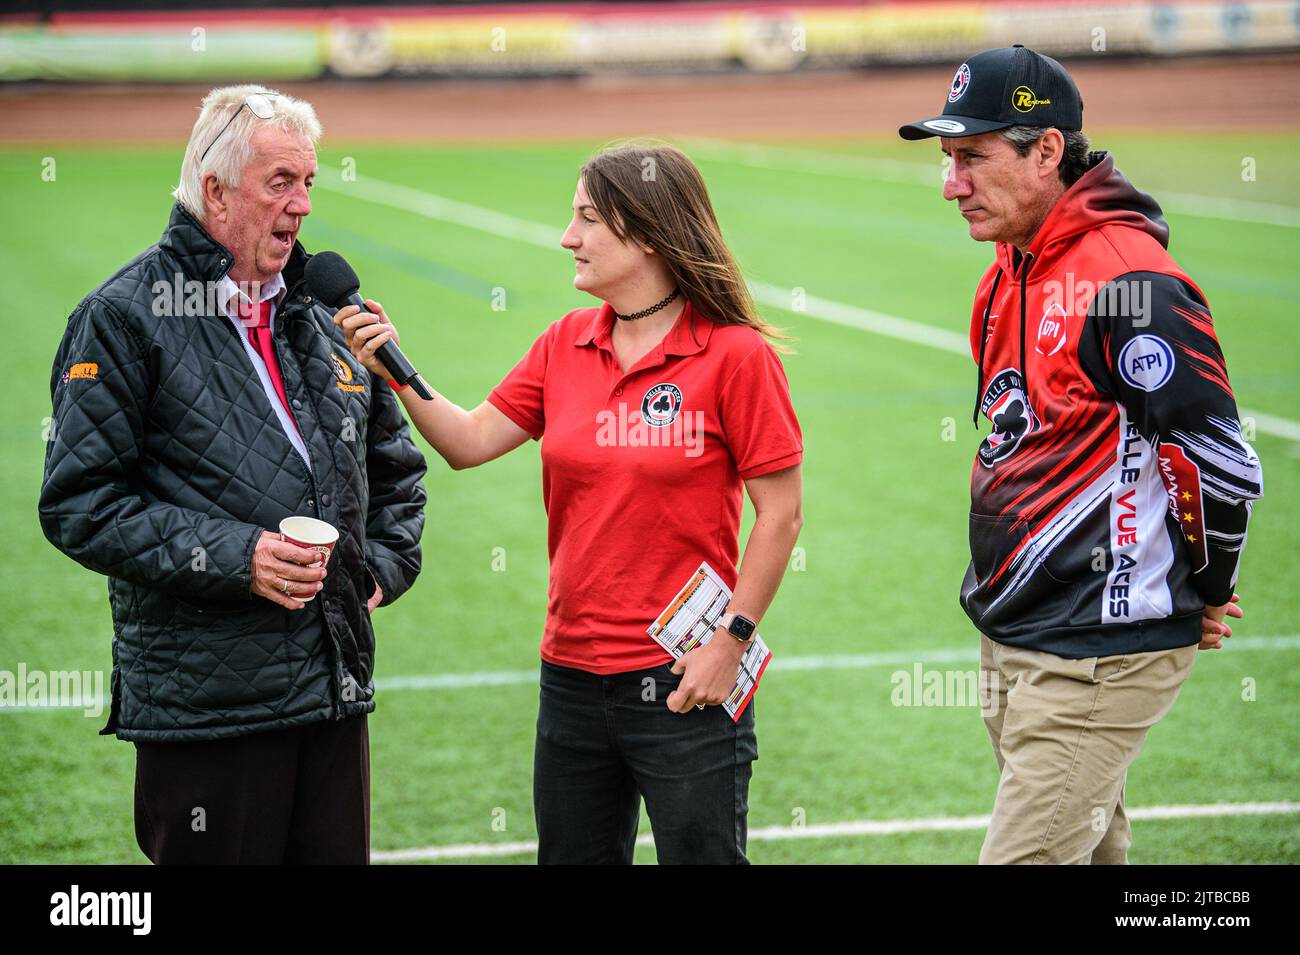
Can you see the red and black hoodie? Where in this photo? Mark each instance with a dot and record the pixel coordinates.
(1110, 501)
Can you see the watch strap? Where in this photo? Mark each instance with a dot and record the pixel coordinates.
(726, 620)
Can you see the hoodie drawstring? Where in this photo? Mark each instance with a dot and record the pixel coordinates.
(984, 337)
(1025, 264)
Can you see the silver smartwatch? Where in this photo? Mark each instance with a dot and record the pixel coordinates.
(742, 628)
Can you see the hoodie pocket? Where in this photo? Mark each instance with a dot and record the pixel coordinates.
(1040, 600)
(992, 540)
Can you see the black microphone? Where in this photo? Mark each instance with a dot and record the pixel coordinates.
(332, 281)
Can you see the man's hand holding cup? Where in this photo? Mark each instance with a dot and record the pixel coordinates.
(289, 567)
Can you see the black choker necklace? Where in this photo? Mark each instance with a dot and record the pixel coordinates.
(648, 311)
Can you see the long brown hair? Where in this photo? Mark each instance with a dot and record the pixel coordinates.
(653, 194)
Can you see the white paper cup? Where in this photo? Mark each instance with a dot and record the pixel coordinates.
(309, 532)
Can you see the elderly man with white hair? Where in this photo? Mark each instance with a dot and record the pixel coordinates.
(201, 395)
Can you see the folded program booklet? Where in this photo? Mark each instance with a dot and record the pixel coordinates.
(689, 620)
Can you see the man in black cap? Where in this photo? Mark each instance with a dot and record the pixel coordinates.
(1110, 499)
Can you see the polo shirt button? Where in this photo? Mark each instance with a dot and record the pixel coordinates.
(618, 391)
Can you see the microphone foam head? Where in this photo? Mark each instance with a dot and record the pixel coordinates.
(331, 279)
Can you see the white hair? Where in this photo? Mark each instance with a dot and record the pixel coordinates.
(228, 152)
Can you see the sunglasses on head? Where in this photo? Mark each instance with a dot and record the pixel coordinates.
(258, 104)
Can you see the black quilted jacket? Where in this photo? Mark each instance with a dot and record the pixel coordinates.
(165, 464)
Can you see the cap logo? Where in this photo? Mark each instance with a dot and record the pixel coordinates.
(944, 125)
(1024, 100)
(960, 83)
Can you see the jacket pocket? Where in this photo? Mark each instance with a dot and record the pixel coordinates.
(201, 612)
(220, 661)
(114, 702)
(369, 584)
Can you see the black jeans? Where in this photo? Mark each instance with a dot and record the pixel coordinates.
(603, 742)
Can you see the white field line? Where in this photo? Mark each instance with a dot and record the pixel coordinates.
(859, 827)
(762, 156)
(1272, 424)
(815, 662)
(502, 224)
(863, 319)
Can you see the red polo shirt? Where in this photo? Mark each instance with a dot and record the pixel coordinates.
(642, 472)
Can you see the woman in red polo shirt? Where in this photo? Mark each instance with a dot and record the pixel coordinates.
(656, 411)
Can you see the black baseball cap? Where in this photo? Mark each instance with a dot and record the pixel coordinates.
(1010, 86)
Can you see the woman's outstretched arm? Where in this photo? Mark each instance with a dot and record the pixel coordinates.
(465, 439)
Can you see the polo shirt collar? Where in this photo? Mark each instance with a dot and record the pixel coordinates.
(688, 337)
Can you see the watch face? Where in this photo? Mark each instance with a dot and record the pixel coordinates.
(741, 628)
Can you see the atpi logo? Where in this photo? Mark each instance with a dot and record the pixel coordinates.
(1051, 330)
(1146, 362)
(960, 83)
(1024, 99)
(661, 404)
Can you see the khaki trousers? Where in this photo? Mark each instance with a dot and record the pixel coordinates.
(1064, 733)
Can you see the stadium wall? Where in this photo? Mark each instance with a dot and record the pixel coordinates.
(583, 39)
